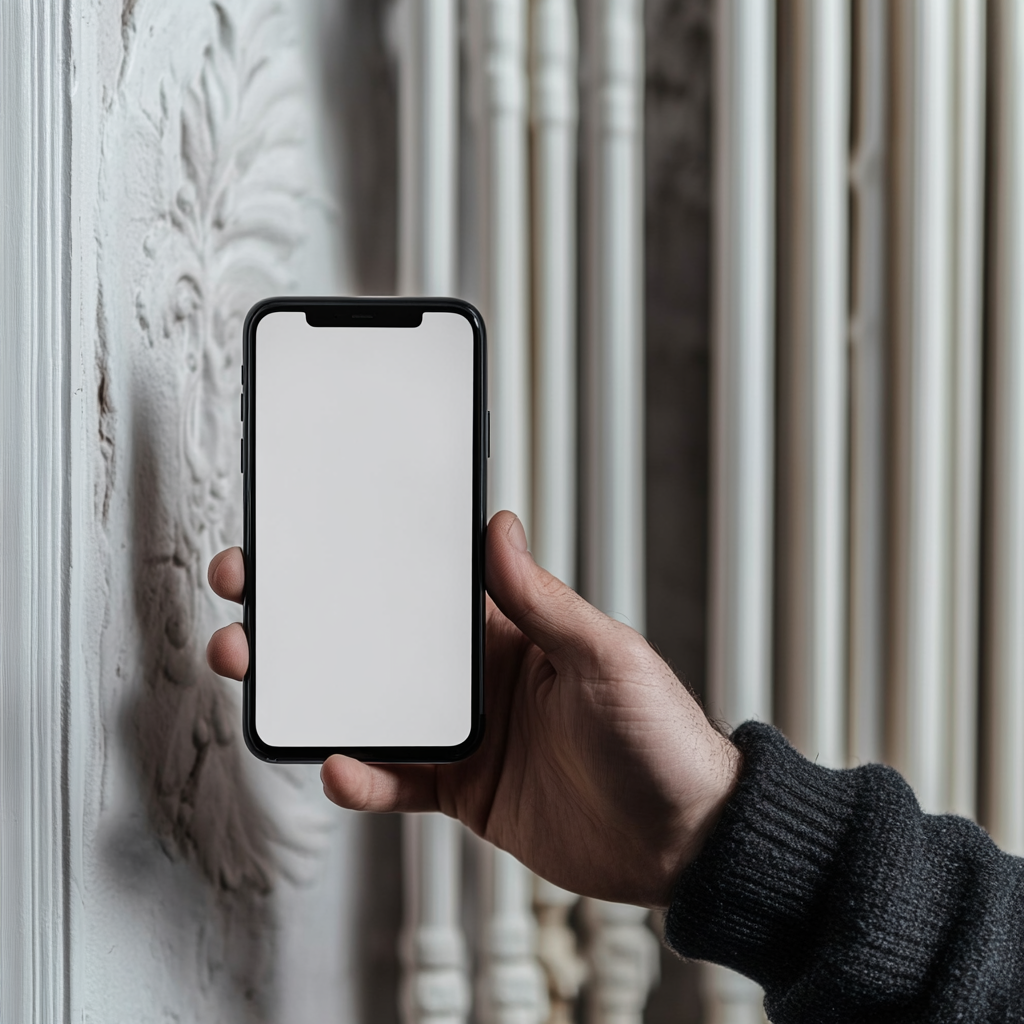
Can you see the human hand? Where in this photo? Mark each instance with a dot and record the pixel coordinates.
(597, 770)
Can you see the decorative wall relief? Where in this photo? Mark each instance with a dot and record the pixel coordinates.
(229, 227)
(233, 218)
(217, 884)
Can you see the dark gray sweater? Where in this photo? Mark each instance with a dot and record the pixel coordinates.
(845, 902)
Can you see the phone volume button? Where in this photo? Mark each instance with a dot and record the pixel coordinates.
(241, 466)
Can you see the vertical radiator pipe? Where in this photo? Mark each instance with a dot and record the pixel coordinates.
(501, 43)
(435, 984)
(868, 416)
(743, 360)
(614, 349)
(622, 950)
(743, 346)
(814, 117)
(1004, 811)
(554, 115)
(922, 398)
(428, 126)
(967, 375)
(557, 950)
(623, 958)
(512, 987)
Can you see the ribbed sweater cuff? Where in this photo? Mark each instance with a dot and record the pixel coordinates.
(748, 901)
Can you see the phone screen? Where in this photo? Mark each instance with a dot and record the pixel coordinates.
(362, 532)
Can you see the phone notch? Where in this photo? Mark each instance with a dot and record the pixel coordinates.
(365, 316)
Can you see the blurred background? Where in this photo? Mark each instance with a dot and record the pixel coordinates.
(753, 275)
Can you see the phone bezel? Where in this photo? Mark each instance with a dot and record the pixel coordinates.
(323, 307)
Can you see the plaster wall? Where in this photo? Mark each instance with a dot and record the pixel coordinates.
(206, 886)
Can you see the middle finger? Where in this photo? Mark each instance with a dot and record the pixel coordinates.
(227, 653)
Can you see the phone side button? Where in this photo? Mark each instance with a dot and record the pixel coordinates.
(488, 433)
(241, 467)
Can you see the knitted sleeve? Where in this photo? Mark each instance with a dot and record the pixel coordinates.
(845, 902)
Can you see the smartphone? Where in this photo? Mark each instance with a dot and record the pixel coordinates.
(364, 459)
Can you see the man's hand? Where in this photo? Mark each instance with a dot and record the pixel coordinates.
(597, 770)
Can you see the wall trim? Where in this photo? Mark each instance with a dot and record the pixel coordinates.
(35, 841)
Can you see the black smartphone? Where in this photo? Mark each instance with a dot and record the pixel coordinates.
(364, 458)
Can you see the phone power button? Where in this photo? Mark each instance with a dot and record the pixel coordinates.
(488, 433)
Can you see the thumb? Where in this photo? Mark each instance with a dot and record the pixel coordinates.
(547, 611)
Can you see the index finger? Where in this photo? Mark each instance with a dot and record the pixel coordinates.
(227, 574)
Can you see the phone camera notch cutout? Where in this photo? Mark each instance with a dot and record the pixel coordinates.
(364, 316)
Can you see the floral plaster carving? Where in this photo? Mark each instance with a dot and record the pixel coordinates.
(214, 886)
(226, 143)
(230, 226)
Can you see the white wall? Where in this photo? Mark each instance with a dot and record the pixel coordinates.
(199, 883)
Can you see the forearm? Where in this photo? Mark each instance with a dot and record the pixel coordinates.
(846, 903)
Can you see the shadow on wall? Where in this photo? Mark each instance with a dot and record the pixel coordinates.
(360, 89)
(379, 918)
(183, 730)
(677, 114)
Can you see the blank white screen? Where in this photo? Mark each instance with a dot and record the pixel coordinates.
(364, 532)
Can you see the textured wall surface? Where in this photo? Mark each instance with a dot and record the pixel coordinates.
(214, 887)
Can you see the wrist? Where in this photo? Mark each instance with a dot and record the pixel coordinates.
(702, 810)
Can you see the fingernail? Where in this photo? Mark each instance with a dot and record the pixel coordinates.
(517, 536)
